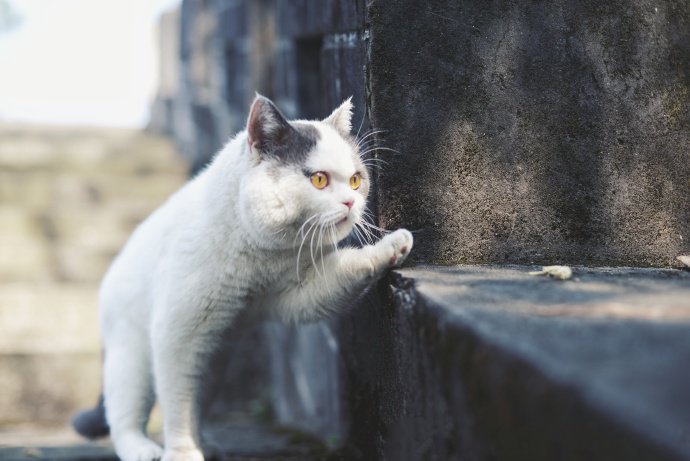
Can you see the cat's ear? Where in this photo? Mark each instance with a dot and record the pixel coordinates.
(266, 126)
(341, 118)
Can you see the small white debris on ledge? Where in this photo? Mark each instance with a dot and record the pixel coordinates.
(557, 272)
(685, 259)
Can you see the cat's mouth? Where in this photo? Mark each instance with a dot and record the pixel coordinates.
(342, 221)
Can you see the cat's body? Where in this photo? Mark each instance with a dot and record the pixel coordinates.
(252, 236)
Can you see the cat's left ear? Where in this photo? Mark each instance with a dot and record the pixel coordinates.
(266, 126)
(341, 118)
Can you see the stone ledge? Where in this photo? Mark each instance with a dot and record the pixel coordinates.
(503, 365)
(238, 439)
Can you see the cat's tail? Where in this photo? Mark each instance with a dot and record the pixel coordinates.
(91, 423)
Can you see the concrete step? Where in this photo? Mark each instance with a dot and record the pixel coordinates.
(489, 362)
(239, 438)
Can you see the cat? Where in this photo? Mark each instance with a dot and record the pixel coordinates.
(254, 235)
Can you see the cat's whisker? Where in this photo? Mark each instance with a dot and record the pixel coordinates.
(311, 251)
(334, 238)
(366, 144)
(375, 160)
(367, 225)
(304, 238)
(365, 234)
(323, 264)
(361, 124)
(358, 235)
(370, 133)
(374, 229)
(368, 214)
(371, 235)
(374, 149)
(372, 238)
(301, 229)
(374, 164)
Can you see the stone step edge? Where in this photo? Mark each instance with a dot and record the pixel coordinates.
(555, 416)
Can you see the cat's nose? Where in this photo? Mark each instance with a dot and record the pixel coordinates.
(349, 204)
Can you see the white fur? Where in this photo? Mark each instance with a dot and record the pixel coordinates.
(227, 244)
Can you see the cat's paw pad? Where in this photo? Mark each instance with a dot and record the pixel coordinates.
(396, 246)
(183, 455)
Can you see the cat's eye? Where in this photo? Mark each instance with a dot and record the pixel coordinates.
(319, 180)
(355, 181)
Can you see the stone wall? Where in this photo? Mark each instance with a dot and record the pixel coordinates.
(553, 132)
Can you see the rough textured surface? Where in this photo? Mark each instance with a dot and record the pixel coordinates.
(234, 440)
(482, 362)
(535, 132)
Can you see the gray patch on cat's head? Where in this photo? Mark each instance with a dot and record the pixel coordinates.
(300, 141)
(274, 137)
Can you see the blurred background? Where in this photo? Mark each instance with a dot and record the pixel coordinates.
(77, 172)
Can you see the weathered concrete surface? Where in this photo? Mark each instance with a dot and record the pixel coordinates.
(236, 440)
(535, 132)
(485, 362)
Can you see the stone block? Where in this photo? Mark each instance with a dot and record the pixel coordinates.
(485, 362)
(308, 18)
(556, 132)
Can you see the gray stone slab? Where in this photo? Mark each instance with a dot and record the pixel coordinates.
(616, 340)
(235, 439)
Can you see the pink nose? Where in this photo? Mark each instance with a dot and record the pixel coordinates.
(349, 204)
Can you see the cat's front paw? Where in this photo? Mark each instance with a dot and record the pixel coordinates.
(183, 455)
(393, 249)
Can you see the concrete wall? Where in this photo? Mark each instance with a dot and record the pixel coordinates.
(551, 132)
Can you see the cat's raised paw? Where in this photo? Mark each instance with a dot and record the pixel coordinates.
(395, 247)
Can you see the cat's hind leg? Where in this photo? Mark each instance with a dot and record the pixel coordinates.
(129, 397)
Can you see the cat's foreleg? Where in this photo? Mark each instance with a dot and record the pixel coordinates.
(342, 276)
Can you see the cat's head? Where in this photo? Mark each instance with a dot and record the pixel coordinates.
(307, 181)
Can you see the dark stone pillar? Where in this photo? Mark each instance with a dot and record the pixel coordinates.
(535, 132)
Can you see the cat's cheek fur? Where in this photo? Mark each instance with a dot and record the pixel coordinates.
(267, 209)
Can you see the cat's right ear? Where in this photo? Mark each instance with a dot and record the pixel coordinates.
(266, 126)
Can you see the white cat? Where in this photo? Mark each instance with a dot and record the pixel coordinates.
(255, 234)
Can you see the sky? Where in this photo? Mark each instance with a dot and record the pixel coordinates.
(80, 62)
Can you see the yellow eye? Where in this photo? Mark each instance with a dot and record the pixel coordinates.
(355, 181)
(319, 180)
